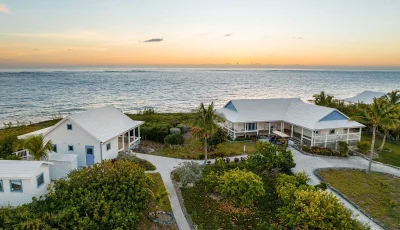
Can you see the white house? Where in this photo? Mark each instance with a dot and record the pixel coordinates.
(303, 122)
(93, 135)
(366, 97)
(62, 164)
(22, 180)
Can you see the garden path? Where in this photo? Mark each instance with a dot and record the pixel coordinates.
(306, 163)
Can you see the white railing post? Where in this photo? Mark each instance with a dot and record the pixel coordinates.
(348, 133)
(301, 138)
(326, 139)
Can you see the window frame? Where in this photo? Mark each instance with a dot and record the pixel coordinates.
(55, 148)
(2, 186)
(22, 187)
(72, 149)
(37, 177)
(69, 126)
(108, 146)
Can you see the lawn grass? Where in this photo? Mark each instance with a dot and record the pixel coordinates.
(145, 222)
(193, 149)
(392, 157)
(209, 212)
(372, 192)
(16, 131)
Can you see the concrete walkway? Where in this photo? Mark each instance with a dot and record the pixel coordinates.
(304, 163)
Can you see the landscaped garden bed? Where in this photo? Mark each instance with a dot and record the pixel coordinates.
(377, 194)
(259, 193)
(321, 151)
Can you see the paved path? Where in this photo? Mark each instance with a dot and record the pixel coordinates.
(304, 163)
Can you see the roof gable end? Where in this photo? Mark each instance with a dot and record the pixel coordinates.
(334, 116)
(231, 106)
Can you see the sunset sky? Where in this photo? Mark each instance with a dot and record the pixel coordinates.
(208, 32)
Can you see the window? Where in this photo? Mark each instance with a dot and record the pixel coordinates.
(332, 131)
(108, 146)
(55, 148)
(251, 126)
(316, 132)
(70, 148)
(40, 180)
(69, 126)
(16, 185)
(1, 186)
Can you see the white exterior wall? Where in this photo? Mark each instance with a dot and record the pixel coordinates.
(76, 137)
(29, 189)
(113, 152)
(60, 169)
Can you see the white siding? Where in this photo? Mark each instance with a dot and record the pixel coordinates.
(29, 189)
(76, 137)
(113, 152)
(60, 169)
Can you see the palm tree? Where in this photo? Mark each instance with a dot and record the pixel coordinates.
(206, 124)
(379, 113)
(37, 146)
(323, 99)
(392, 98)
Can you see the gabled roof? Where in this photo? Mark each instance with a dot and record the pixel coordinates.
(102, 123)
(291, 110)
(366, 97)
(19, 169)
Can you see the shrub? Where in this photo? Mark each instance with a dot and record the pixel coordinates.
(243, 139)
(183, 128)
(240, 186)
(201, 156)
(218, 137)
(305, 207)
(188, 172)
(174, 139)
(216, 154)
(154, 131)
(174, 131)
(219, 163)
(268, 157)
(323, 151)
(143, 163)
(343, 148)
(236, 159)
(323, 186)
(363, 146)
(13, 157)
(7, 146)
(111, 195)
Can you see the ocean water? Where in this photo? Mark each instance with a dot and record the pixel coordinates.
(33, 96)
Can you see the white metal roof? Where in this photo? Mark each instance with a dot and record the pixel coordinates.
(64, 157)
(367, 97)
(19, 169)
(291, 110)
(37, 132)
(102, 123)
(280, 134)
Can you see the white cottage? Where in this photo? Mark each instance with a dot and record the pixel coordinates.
(94, 135)
(303, 122)
(366, 97)
(20, 181)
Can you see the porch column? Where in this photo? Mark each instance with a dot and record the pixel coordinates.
(301, 138)
(359, 135)
(312, 137)
(134, 134)
(269, 128)
(138, 131)
(347, 138)
(257, 127)
(123, 141)
(326, 139)
(291, 132)
(129, 138)
(245, 129)
(282, 126)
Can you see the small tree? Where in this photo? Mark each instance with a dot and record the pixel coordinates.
(174, 139)
(188, 172)
(241, 186)
(159, 198)
(37, 146)
(363, 146)
(343, 148)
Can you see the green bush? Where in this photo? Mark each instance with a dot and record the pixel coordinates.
(305, 207)
(111, 195)
(7, 146)
(143, 163)
(323, 151)
(175, 131)
(218, 138)
(240, 186)
(174, 139)
(343, 148)
(268, 157)
(364, 146)
(154, 131)
(188, 172)
(243, 139)
(217, 154)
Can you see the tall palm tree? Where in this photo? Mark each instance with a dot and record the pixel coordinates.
(206, 124)
(392, 98)
(37, 146)
(323, 99)
(379, 113)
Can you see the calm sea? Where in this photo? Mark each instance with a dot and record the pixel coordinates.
(38, 95)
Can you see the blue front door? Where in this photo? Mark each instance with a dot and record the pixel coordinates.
(89, 155)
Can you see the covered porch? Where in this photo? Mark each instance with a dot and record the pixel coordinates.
(129, 139)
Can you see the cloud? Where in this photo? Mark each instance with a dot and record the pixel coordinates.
(227, 35)
(4, 9)
(155, 40)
